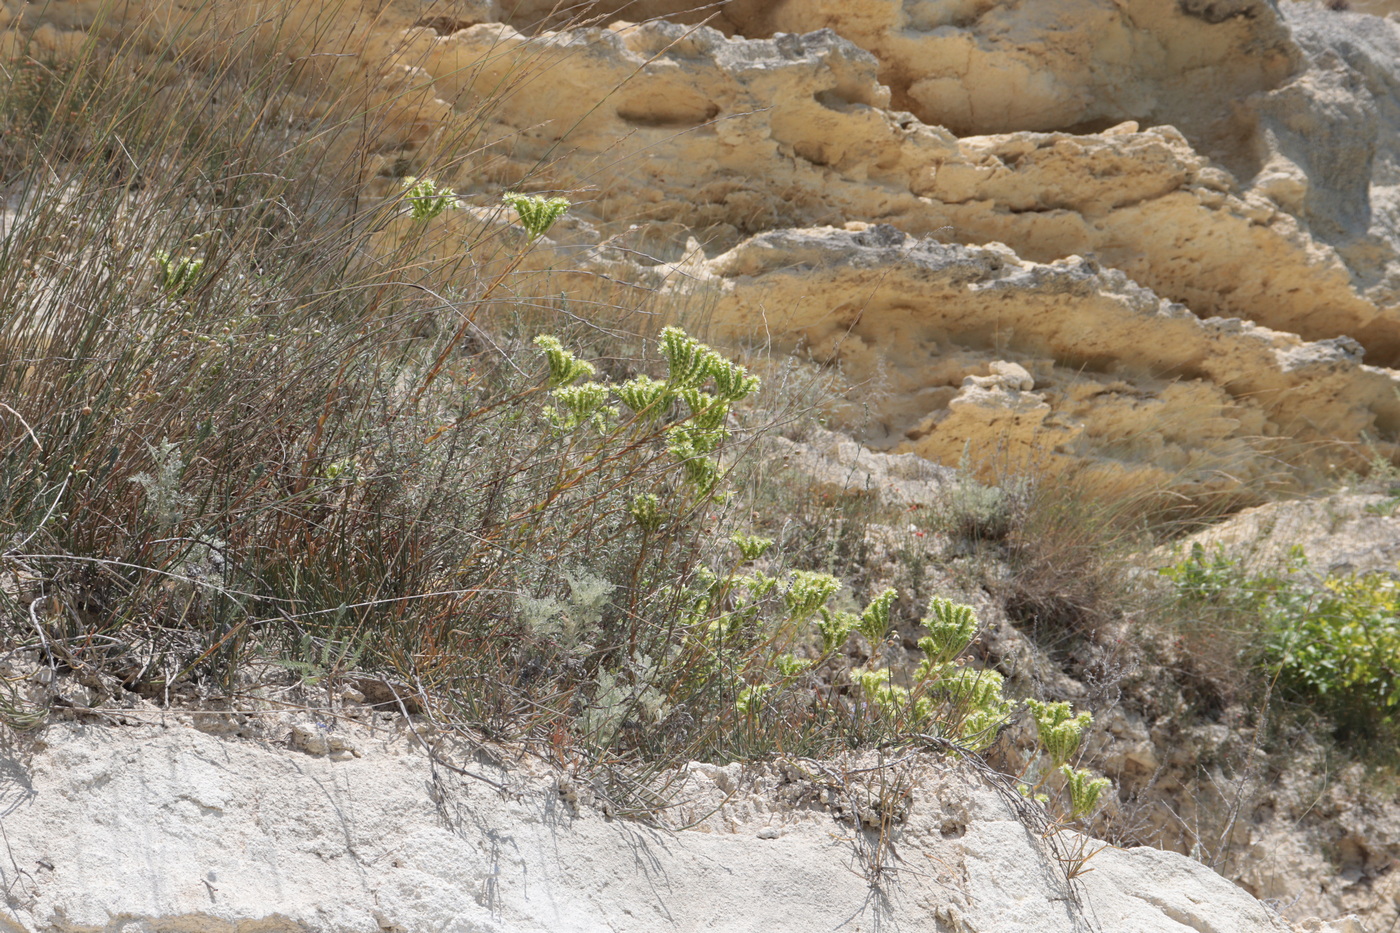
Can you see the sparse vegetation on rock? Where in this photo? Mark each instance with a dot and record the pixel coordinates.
(620, 388)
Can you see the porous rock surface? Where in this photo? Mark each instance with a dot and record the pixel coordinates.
(164, 827)
(1198, 398)
(1180, 220)
(1339, 534)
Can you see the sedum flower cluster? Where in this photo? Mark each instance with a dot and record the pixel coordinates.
(690, 407)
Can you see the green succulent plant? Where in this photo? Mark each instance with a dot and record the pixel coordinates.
(647, 398)
(582, 404)
(807, 593)
(874, 622)
(645, 510)
(178, 275)
(537, 214)
(564, 367)
(1060, 730)
(835, 628)
(1084, 789)
(426, 199)
(951, 628)
(751, 547)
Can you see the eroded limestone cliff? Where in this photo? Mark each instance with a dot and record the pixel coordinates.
(1179, 221)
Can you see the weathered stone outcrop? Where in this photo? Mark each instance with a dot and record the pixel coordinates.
(1344, 533)
(991, 67)
(169, 828)
(727, 137)
(970, 349)
(1241, 159)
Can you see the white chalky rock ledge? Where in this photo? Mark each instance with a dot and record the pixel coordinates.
(152, 828)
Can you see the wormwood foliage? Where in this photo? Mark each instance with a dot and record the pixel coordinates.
(164, 502)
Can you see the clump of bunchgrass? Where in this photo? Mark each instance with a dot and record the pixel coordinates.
(213, 482)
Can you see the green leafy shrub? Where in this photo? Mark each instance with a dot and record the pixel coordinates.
(1342, 643)
(692, 439)
(1333, 643)
(956, 703)
(1084, 790)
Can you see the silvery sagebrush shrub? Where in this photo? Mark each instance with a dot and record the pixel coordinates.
(165, 500)
(741, 631)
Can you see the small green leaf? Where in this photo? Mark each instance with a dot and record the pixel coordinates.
(646, 511)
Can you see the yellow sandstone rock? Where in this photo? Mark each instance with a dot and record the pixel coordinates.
(1180, 221)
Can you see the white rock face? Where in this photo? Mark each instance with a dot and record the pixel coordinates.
(1341, 534)
(154, 829)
